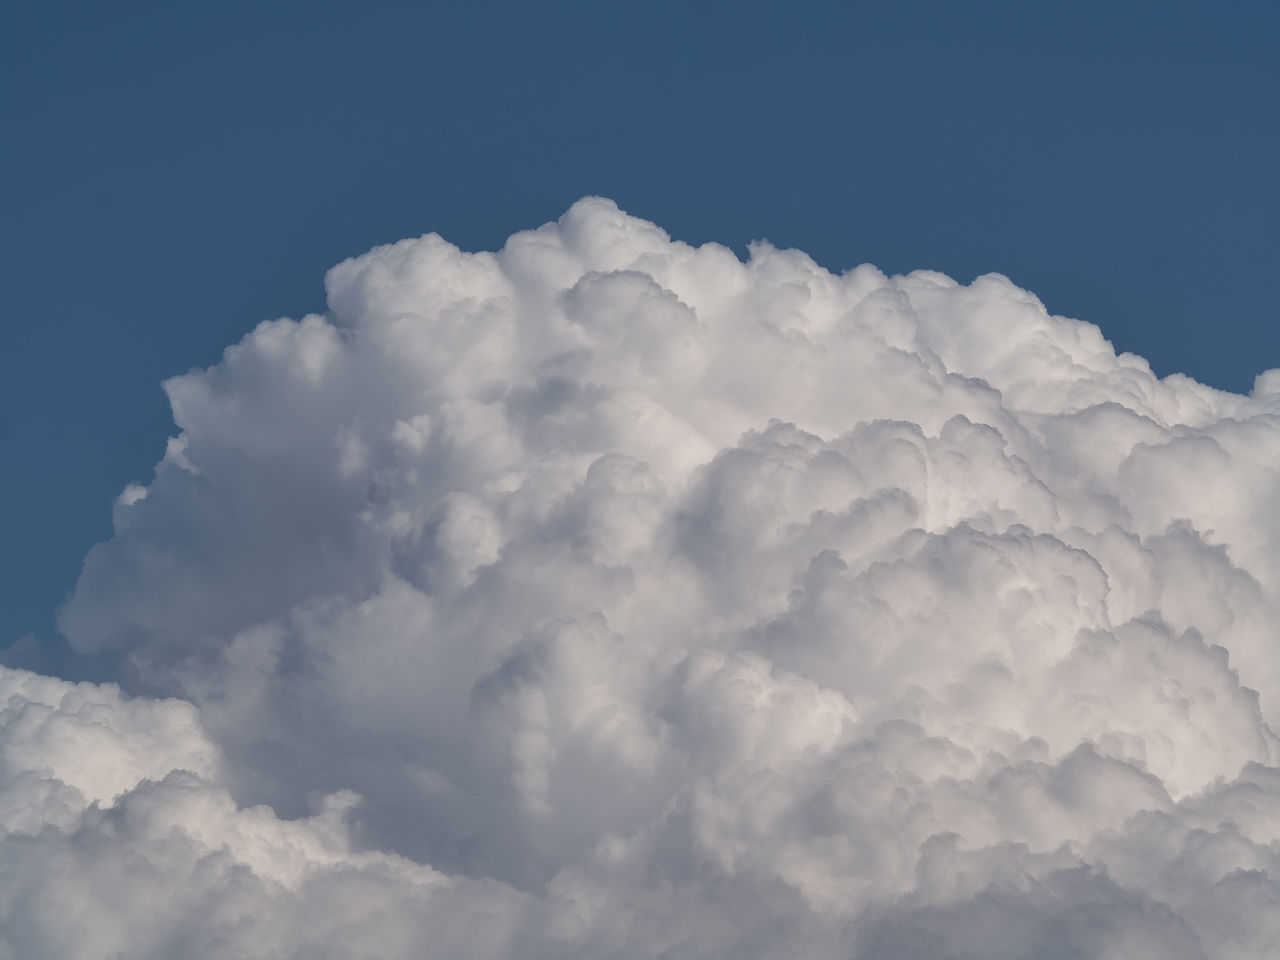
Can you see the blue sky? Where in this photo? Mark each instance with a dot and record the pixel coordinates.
(175, 173)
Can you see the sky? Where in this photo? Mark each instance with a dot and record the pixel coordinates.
(176, 173)
(678, 480)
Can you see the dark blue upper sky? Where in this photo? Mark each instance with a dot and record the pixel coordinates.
(175, 173)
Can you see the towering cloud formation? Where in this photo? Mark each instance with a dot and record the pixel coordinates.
(609, 597)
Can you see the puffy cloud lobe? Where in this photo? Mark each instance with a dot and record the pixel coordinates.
(606, 596)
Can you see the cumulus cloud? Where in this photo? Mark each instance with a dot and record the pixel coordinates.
(605, 596)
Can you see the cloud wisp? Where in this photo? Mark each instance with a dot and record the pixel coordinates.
(606, 596)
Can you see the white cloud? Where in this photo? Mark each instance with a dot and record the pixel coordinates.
(605, 596)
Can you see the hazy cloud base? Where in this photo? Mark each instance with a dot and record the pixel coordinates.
(609, 597)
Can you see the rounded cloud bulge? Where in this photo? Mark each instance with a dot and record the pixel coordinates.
(609, 597)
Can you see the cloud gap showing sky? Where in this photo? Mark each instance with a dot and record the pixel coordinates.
(607, 596)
